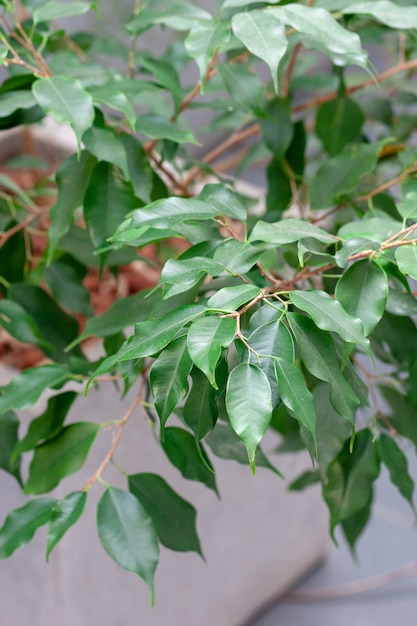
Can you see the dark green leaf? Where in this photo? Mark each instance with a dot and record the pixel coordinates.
(19, 323)
(332, 430)
(64, 514)
(21, 524)
(395, 460)
(158, 127)
(9, 426)
(206, 339)
(338, 123)
(174, 518)
(232, 298)
(406, 257)
(60, 457)
(200, 409)
(64, 277)
(307, 479)
(226, 201)
(140, 171)
(276, 126)
(127, 534)
(354, 525)
(106, 145)
(243, 86)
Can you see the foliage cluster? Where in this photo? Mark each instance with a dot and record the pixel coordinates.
(265, 321)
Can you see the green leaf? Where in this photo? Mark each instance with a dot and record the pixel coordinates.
(179, 275)
(127, 534)
(27, 387)
(19, 323)
(9, 426)
(395, 460)
(204, 37)
(169, 212)
(307, 479)
(276, 126)
(332, 429)
(363, 291)
(225, 444)
(206, 339)
(169, 378)
(56, 10)
(60, 457)
(224, 199)
(249, 405)
(287, 231)
(296, 396)
(328, 314)
(64, 277)
(21, 524)
(318, 353)
(386, 12)
(4, 51)
(14, 100)
(338, 123)
(408, 207)
(264, 36)
(140, 171)
(174, 518)
(65, 99)
(375, 228)
(107, 200)
(320, 31)
(200, 409)
(339, 176)
(181, 449)
(116, 100)
(237, 256)
(406, 257)
(354, 525)
(352, 246)
(232, 298)
(158, 127)
(348, 488)
(106, 145)
(64, 514)
(47, 425)
(242, 84)
(150, 337)
(71, 180)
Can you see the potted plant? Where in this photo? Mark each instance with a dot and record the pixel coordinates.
(252, 321)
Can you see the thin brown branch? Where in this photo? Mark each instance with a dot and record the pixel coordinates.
(387, 185)
(289, 71)
(20, 226)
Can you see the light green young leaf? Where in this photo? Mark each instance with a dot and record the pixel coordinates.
(60, 457)
(287, 231)
(328, 314)
(26, 388)
(65, 99)
(173, 517)
(395, 460)
(264, 36)
(150, 337)
(363, 292)
(406, 257)
(249, 405)
(181, 448)
(21, 524)
(4, 51)
(386, 12)
(53, 10)
(169, 378)
(127, 534)
(319, 30)
(232, 298)
(206, 339)
(64, 514)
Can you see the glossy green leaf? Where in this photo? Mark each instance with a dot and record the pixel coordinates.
(406, 257)
(21, 524)
(363, 291)
(158, 127)
(200, 409)
(264, 315)
(150, 337)
(328, 314)
(127, 534)
(206, 339)
(10, 463)
(181, 449)
(204, 37)
(20, 324)
(319, 30)
(71, 180)
(224, 199)
(353, 246)
(169, 378)
(375, 228)
(408, 207)
(64, 277)
(318, 353)
(173, 517)
(60, 457)
(53, 10)
(338, 123)
(249, 405)
(354, 525)
(64, 514)
(264, 36)
(307, 479)
(332, 429)
(350, 478)
(232, 298)
(107, 200)
(169, 212)
(388, 13)
(26, 388)
(116, 100)
(226, 445)
(47, 425)
(14, 100)
(237, 257)
(65, 99)
(339, 176)
(140, 171)
(106, 145)
(276, 126)
(395, 460)
(178, 275)
(287, 231)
